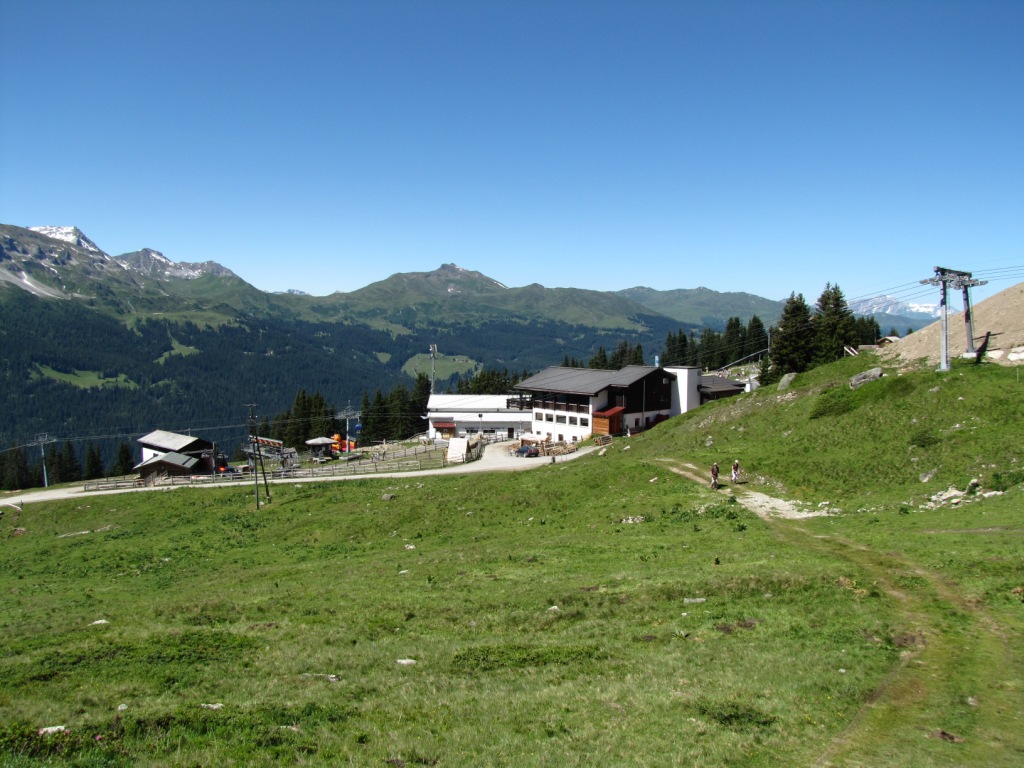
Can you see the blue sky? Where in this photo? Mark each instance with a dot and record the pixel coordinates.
(765, 147)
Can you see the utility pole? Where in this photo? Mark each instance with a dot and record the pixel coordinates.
(347, 414)
(433, 354)
(966, 284)
(953, 278)
(253, 447)
(41, 440)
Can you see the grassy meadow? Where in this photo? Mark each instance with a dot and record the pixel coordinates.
(603, 611)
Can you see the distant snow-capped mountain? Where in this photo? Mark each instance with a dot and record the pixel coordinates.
(146, 261)
(72, 235)
(889, 305)
(155, 264)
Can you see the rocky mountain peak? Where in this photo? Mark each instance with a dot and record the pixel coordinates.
(72, 235)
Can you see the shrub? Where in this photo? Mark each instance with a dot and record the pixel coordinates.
(923, 438)
(833, 402)
(1004, 481)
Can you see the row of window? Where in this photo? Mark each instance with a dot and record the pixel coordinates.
(561, 418)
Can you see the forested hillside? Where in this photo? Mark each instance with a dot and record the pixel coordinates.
(76, 373)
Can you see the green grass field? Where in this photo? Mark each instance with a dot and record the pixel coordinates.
(87, 379)
(603, 611)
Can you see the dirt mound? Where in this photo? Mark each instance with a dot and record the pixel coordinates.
(999, 319)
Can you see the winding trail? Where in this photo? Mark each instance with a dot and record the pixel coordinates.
(761, 504)
(957, 689)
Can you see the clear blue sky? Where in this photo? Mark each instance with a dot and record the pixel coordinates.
(764, 147)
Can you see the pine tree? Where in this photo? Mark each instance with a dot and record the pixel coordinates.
(374, 420)
(70, 466)
(599, 361)
(297, 430)
(321, 417)
(709, 350)
(14, 471)
(676, 349)
(93, 463)
(867, 329)
(792, 347)
(398, 414)
(756, 337)
(834, 326)
(418, 403)
(620, 357)
(364, 416)
(52, 465)
(734, 341)
(124, 463)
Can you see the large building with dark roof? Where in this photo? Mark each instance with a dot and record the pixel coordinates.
(570, 404)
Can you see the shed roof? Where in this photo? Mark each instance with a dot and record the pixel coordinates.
(720, 384)
(179, 460)
(172, 441)
(472, 404)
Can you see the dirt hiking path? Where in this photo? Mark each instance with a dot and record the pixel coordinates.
(954, 698)
(761, 504)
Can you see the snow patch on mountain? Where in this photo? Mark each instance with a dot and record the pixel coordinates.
(72, 235)
(890, 305)
(155, 264)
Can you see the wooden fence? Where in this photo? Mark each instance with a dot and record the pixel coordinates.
(405, 459)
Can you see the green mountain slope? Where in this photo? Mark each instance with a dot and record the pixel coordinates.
(704, 307)
(894, 441)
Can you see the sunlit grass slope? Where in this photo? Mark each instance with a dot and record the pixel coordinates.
(544, 629)
(603, 611)
(820, 440)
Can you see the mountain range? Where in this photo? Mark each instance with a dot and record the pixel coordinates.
(62, 262)
(97, 343)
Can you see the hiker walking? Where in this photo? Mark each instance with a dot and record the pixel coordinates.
(714, 475)
(736, 471)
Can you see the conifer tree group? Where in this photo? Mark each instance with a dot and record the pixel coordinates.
(804, 339)
(66, 462)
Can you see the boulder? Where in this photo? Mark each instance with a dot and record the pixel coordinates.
(863, 378)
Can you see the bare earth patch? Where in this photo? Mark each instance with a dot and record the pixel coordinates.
(761, 504)
(766, 506)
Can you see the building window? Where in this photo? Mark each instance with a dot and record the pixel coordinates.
(584, 421)
(560, 419)
(573, 421)
(549, 417)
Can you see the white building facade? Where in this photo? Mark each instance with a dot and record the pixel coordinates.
(493, 416)
(562, 404)
(571, 404)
